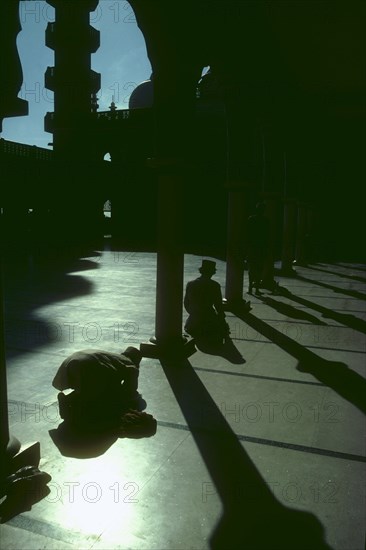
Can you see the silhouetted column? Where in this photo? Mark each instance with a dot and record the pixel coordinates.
(302, 215)
(237, 217)
(10, 105)
(174, 95)
(8, 446)
(289, 237)
(12, 455)
(170, 258)
(238, 176)
(271, 200)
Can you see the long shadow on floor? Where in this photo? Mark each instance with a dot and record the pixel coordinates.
(344, 266)
(290, 311)
(344, 275)
(346, 291)
(228, 351)
(33, 281)
(334, 374)
(252, 518)
(344, 318)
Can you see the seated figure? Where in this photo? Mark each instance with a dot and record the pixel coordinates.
(203, 301)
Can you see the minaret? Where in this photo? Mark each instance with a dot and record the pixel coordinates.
(75, 85)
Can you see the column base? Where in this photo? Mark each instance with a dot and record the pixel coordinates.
(12, 447)
(26, 455)
(181, 349)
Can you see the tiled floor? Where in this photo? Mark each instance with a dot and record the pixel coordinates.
(268, 454)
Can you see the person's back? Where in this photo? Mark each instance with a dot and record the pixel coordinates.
(104, 384)
(201, 296)
(203, 302)
(91, 367)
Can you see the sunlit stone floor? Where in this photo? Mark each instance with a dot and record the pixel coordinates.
(264, 429)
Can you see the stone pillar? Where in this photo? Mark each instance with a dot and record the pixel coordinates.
(302, 219)
(12, 455)
(10, 105)
(271, 200)
(8, 447)
(235, 253)
(170, 260)
(174, 96)
(168, 339)
(239, 179)
(288, 237)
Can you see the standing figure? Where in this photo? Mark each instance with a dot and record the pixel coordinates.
(203, 301)
(258, 242)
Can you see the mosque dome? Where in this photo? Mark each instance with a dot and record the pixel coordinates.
(143, 95)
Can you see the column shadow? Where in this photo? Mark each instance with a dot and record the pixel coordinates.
(290, 311)
(32, 281)
(252, 517)
(346, 319)
(346, 291)
(334, 374)
(344, 275)
(357, 268)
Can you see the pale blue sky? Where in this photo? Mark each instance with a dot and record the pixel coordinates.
(121, 59)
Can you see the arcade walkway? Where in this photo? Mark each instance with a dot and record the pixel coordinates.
(275, 443)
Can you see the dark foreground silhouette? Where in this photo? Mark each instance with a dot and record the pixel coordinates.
(22, 489)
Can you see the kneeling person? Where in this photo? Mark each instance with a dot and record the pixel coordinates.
(104, 383)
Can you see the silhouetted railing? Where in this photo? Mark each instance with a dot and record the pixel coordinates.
(24, 150)
(123, 114)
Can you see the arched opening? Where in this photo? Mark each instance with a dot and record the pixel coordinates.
(122, 57)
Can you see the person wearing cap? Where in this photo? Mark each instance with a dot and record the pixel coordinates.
(203, 302)
(104, 383)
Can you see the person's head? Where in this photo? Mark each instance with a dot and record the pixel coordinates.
(134, 354)
(208, 268)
